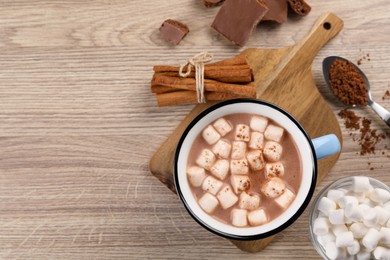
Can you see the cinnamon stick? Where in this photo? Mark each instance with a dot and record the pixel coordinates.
(210, 85)
(185, 96)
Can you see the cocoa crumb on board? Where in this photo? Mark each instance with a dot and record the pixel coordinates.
(386, 95)
(365, 57)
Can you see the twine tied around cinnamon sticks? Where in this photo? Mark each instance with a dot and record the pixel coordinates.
(198, 61)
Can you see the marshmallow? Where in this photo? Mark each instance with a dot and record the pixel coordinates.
(255, 160)
(242, 133)
(335, 195)
(337, 229)
(383, 215)
(328, 237)
(386, 206)
(238, 150)
(212, 185)
(274, 170)
(272, 151)
(371, 239)
(343, 201)
(363, 255)
(206, 159)
(259, 123)
(239, 166)
(273, 188)
(226, 197)
(210, 135)
(274, 133)
(220, 169)
(354, 248)
(240, 183)
(239, 217)
(361, 184)
(381, 253)
(359, 230)
(333, 252)
(208, 203)
(326, 205)
(352, 212)
(196, 175)
(222, 149)
(336, 217)
(222, 126)
(344, 239)
(380, 195)
(257, 217)
(256, 141)
(363, 208)
(321, 226)
(370, 217)
(385, 234)
(388, 223)
(368, 203)
(285, 199)
(250, 202)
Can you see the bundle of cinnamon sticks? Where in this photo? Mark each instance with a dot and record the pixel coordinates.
(226, 79)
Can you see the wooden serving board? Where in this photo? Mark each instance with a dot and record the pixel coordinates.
(282, 76)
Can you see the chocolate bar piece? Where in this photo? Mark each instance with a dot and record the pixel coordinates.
(236, 20)
(173, 31)
(277, 11)
(212, 3)
(300, 7)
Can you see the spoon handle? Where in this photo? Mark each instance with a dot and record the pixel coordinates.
(382, 112)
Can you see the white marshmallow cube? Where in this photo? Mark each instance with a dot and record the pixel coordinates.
(388, 223)
(361, 184)
(259, 123)
(238, 150)
(208, 203)
(285, 199)
(386, 206)
(226, 197)
(358, 229)
(337, 229)
(333, 252)
(222, 126)
(257, 217)
(383, 215)
(249, 202)
(274, 170)
(240, 183)
(242, 133)
(363, 255)
(239, 166)
(255, 160)
(354, 248)
(239, 217)
(326, 205)
(381, 253)
(256, 141)
(273, 188)
(336, 217)
(344, 239)
(335, 195)
(328, 237)
(370, 217)
(206, 159)
(385, 236)
(321, 226)
(272, 151)
(343, 201)
(222, 148)
(352, 212)
(380, 195)
(196, 175)
(212, 185)
(210, 135)
(274, 133)
(220, 169)
(371, 239)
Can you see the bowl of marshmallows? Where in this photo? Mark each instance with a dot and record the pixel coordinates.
(350, 219)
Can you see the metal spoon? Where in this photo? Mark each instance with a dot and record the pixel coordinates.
(381, 111)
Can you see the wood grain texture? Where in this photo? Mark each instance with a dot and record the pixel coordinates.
(78, 125)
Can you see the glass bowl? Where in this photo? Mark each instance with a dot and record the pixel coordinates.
(344, 183)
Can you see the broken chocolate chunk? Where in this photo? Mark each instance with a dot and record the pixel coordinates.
(277, 11)
(212, 3)
(173, 31)
(300, 7)
(236, 20)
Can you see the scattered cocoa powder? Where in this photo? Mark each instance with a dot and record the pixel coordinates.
(351, 120)
(347, 84)
(360, 61)
(386, 95)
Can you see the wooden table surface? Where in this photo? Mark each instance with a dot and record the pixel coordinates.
(78, 125)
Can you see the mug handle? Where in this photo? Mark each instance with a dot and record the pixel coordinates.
(326, 145)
